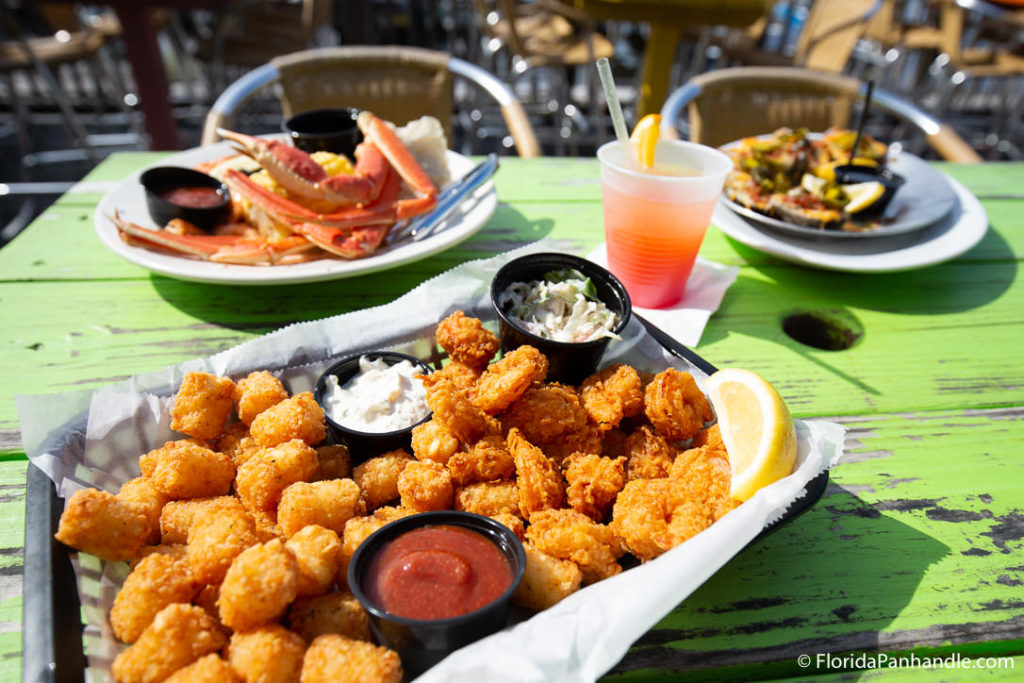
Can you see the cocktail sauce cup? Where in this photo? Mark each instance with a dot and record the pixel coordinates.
(568, 362)
(160, 180)
(364, 445)
(421, 643)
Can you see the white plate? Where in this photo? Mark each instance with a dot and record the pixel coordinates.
(923, 199)
(960, 230)
(128, 198)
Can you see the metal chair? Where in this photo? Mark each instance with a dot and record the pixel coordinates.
(396, 83)
(728, 104)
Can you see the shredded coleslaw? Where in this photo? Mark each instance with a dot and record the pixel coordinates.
(562, 307)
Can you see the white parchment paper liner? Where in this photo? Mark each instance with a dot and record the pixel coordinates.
(94, 438)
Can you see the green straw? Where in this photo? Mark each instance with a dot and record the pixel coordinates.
(604, 70)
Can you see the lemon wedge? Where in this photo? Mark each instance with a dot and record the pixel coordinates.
(757, 429)
(645, 138)
(813, 184)
(862, 195)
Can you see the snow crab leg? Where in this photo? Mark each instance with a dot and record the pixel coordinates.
(217, 248)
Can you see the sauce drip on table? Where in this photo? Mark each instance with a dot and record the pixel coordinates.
(437, 572)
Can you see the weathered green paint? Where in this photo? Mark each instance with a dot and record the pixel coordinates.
(916, 545)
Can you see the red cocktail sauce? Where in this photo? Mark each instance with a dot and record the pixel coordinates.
(193, 197)
(436, 572)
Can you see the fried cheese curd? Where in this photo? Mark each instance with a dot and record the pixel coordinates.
(248, 533)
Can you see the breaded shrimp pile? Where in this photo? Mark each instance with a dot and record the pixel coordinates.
(240, 533)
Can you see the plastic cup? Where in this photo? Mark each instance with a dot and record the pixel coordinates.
(654, 222)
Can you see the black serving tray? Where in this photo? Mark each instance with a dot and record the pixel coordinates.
(52, 629)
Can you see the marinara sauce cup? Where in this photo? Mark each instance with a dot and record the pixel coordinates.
(568, 362)
(364, 445)
(423, 641)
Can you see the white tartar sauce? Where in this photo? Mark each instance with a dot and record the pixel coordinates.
(379, 398)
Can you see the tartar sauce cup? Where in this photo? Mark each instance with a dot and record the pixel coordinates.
(363, 445)
(421, 643)
(569, 362)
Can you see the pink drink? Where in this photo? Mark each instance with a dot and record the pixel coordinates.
(655, 222)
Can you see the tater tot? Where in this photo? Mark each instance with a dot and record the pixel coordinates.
(267, 654)
(202, 405)
(263, 478)
(178, 635)
(378, 477)
(267, 528)
(358, 529)
(177, 516)
(317, 551)
(432, 441)
(149, 499)
(237, 443)
(327, 503)
(486, 460)
(337, 613)
(335, 462)
(216, 540)
(547, 580)
(425, 485)
(489, 498)
(98, 523)
(157, 581)
(258, 587)
(336, 659)
(183, 469)
(178, 551)
(257, 392)
(208, 669)
(298, 417)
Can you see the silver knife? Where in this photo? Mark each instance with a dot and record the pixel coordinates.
(422, 226)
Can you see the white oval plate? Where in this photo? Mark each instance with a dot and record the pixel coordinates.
(951, 236)
(923, 199)
(128, 198)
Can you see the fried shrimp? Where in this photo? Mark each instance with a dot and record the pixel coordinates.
(703, 474)
(466, 340)
(612, 394)
(675, 405)
(459, 374)
(509, 378)
(545, 412)
(540, 484)
(594, 481)
(569, 535)
(486, 460)
(648, 455)
(453, 409)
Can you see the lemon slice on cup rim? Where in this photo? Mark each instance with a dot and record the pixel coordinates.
(862, 195)
(757, 429)
(644, 139)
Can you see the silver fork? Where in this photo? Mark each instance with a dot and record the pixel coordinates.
(420, 227)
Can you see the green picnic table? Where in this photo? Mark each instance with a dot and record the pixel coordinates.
(915, 547)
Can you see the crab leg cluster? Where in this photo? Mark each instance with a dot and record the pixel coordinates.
(360, 207)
